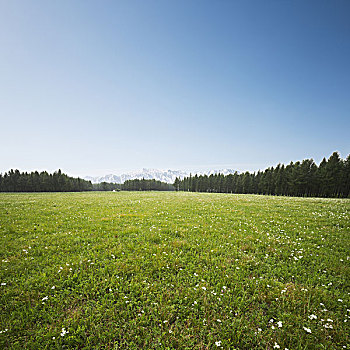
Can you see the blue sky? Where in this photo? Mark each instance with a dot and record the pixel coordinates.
(98, 87)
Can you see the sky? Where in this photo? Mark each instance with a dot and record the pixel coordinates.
(100, 87)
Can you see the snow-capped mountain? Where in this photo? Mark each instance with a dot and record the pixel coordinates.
(222, 171)
(167, 176)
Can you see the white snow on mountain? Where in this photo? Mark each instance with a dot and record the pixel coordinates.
(168, 176)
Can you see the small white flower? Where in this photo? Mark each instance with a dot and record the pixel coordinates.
(218, 343)
(312, 317)
(279, 323)
(204, 288)
(218, 320)
(259, 329)
(307, 329)
(276, 346)
(3, 284)
(341, 300)
(53, 287)
(64, 332)
(45, 298)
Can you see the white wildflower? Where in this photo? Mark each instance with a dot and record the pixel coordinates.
(64, 332)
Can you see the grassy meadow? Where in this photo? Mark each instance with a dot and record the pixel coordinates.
(167, 270)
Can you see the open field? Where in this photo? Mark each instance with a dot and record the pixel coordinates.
(173, 271)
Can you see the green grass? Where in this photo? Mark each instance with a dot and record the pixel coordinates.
(173, 271)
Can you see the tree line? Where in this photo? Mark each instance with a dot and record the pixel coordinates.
(106, 186)
(15, 181)
(134, 185)
(146, 185)
(330, 179)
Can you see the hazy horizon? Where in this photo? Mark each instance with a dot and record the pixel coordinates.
(241, 168)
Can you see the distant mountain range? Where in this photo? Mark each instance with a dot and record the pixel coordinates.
(167, 176)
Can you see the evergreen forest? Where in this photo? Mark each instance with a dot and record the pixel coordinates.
(134, 185)
(15, 181)
(330, 179)
(146, 185)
